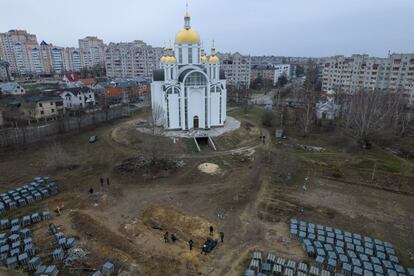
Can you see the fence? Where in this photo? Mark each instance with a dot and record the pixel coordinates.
(29, 134)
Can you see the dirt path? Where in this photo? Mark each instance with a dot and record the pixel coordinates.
(113, 138)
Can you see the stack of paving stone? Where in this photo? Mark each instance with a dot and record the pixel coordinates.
(38, 189)
(16, 249)
(24, 221)
(279, 266)
(345, 252)
(107, 269)
(63, 242)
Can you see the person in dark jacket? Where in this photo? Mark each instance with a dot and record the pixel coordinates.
(222, 236)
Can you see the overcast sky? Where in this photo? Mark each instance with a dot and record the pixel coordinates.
(257, 27)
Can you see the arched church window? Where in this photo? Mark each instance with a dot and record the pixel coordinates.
(196, 79)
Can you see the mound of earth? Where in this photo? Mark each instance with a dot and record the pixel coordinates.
(184, 226)
(209, 168)
(152, 166)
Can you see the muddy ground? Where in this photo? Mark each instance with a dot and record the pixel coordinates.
(251, 200)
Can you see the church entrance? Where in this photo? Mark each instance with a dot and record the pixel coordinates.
(195, 122)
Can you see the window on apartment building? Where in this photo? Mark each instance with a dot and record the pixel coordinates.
(42, 112)
(40, 105)
(53, 111)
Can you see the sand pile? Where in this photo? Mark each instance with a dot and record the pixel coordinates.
(209, 168)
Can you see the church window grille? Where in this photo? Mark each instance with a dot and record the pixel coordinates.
(190, 55)
(168, 111)
(196, 79)
(220, 108)
(180, 55)
(179, 111)
(206, 107)
(198, 55)
(185, 108)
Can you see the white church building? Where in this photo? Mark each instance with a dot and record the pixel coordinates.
(190, 89)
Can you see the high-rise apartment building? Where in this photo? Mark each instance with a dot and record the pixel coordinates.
(129, 60)
(351, 74)
(237, 69)
(8, 47)
(92, 51)
(25, 56)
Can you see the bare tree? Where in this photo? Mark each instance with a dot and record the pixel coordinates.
(156, 120)
(371, 112)
(307, 97)
(305, 109)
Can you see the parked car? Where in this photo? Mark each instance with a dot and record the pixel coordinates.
(93, 139)
(209, 245)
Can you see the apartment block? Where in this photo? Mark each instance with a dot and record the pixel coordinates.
(92, 51)
(266, 72)
(8, 49)
(237, 69)
(129, 60)
(351, 74)
(283, 70)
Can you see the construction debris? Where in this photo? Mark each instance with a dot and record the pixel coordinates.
(310, 148)
(148, 165)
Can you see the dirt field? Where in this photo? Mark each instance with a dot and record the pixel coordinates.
(258, 189)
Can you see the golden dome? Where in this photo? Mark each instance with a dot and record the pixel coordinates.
(204, 59)
(170, 59)
(187, 36)
(162, 59)
(213, 59)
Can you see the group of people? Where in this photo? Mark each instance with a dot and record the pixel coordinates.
(102, 184)
(190, 242)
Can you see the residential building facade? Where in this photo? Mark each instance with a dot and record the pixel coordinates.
(129, 60)
(40, 107)
(237, 69)
(266, 72)
(282, 70)
(91, 51)
(77, 98)
(27, 57)
(351, 74)
(8, 49)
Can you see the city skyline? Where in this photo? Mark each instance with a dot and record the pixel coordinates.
(287, 29)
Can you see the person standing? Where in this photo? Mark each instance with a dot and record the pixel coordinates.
(174, 237)
(102, 181)
(211, 230)
(166, 237)
(222, 237)
(107, 181)
(190, 244)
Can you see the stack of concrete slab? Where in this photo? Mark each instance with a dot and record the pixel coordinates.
(26, 220)
(108, 268)
(349, 253)
(279, 266)
(16, 249)
(63, 242)
(38, 189)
